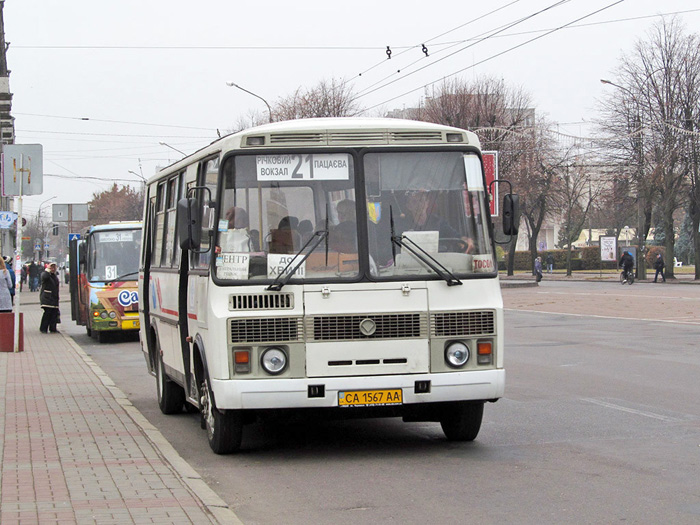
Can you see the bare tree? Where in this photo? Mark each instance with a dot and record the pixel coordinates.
(575, 194)
(651, 115)
(329, 98)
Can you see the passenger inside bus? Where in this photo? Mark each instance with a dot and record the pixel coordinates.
(343, 236)
(236, 239)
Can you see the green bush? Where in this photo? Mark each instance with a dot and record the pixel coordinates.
(587, 258)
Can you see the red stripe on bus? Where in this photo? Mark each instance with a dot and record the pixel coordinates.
(192, 316)
(170, 312)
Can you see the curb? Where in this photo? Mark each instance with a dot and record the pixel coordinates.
(218, 508)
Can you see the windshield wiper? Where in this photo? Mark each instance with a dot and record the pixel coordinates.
(121, 277)
(283, 277)
(420, 254)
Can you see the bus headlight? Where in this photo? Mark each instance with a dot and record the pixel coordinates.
(456, 354)
(112, 315)
(103, 315)
(273, 360)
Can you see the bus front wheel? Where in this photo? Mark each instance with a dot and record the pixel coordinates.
(462, 421)
(224, 429)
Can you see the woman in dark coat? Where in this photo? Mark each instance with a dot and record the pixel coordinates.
(49, 300)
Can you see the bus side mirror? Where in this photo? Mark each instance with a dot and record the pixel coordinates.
(189, 230)
(82, 257)
(511, 213)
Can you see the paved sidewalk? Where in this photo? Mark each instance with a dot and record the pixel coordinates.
(74, 449)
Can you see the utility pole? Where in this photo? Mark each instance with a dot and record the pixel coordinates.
(7, 125)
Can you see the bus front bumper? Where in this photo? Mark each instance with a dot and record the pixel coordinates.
(258, 394)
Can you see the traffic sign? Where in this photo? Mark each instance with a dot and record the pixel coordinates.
(73, 237)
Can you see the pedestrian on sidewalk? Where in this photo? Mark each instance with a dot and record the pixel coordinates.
(8, 266)
(49, 300)
(538, 269)
(550, 263)
(23, 277)
(5, 285)
(659, 264)
(34, 273)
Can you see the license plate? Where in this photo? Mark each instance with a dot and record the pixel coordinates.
(364, 398)
(129, 325)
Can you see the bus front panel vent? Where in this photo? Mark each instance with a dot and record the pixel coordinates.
(297, 138)
(266, 330)
(451, 324)
(261, 301)
(416, 137)
(357, 137)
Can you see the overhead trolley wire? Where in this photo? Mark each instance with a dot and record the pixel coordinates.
(496, 31)
(435, 37)
(489, 58)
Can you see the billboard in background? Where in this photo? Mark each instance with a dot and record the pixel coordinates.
(490, 159)
(608, 249)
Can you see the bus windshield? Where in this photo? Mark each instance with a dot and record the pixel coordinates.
(273, 205)
(434, 201)
(114, 255)
(277, 208)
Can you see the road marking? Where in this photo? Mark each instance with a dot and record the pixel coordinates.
(697, 322)
(621, 408)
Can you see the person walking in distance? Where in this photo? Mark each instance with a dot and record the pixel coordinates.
(49, 300)
(659, 264)
(34, 273)
(538, 269)
(550, 262)
(627, 264)
(5, 285)
(8, 267)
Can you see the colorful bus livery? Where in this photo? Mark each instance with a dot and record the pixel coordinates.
(104, 296)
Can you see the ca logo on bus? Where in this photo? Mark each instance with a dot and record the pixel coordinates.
(127, 298)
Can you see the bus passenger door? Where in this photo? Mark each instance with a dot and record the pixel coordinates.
(78, 282)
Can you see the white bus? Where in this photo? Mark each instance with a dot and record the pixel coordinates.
(343, 267)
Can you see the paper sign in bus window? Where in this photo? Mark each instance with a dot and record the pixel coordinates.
(110, 272)
(125, 236)
(232, 265)
(303, 167)
(277, 262)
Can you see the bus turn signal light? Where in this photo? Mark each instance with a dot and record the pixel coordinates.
(484, 352)
(241, 361)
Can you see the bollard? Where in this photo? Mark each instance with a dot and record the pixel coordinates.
(7, 332)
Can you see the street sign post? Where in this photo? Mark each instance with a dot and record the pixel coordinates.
(22, 174)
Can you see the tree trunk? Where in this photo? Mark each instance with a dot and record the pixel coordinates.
(511, 256)
(669, 241)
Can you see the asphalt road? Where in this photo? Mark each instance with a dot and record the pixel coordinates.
(600, 424)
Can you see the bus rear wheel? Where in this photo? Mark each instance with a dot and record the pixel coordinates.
(461, 421)
(171, 396)
(224, 429)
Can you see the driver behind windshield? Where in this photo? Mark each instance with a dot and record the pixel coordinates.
(420, 214)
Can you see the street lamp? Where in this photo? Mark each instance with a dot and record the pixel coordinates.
(641, 266)
(143, 179)
(169, 146)
(269, 109)
(38, 213)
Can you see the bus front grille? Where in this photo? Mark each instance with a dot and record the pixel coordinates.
(383, 326)
(450, 324)
(266, 330)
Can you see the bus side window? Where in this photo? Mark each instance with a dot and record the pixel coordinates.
(208, 176)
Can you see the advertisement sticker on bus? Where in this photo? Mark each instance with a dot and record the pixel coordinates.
(303, 167)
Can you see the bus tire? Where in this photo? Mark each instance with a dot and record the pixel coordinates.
(88, 330)
(171, 396)
(101, 336)
(224, 429)
(461, 421)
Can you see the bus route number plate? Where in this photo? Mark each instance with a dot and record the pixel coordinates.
(365, 398)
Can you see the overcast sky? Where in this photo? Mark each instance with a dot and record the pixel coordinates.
(145, 72)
